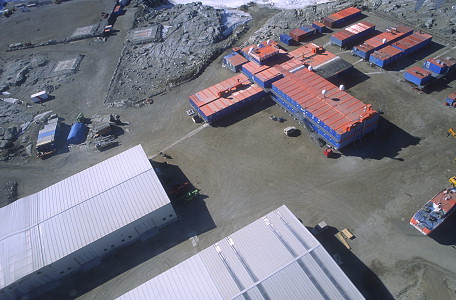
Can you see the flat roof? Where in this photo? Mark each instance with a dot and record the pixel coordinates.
(44, 227)
(392, 34)
(225, 94)
(275, 257)
(338, 109)
(418, 72)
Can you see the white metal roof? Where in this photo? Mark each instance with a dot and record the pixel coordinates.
(275, 257)
(42, 228)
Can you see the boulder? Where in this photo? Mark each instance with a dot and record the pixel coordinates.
(6, 144)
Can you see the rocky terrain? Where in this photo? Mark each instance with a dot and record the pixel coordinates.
(441, 22)
(186, 38)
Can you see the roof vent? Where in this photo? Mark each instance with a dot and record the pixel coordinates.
(323, 92)
(342, 87)
(384, 41)
(310, 68)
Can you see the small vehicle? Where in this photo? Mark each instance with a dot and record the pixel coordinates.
(452, 181)
(274, 118)
(289, 131)
(179, 190)
(189, 196)
(328, 152)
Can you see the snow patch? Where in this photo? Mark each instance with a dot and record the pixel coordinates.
(281, 4)
(232, 18)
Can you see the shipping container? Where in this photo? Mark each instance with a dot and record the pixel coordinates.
(47, 136)
(385, 56)
(267, 77)
(298, 34)
(418, 76)
(440, 65)
(226, 97)
(234, 61)
(287, 40)
(342, 17)
(335, 115)
(381, 40)
(320, 27)
(451, 100)
(413, 42)
(352, 34)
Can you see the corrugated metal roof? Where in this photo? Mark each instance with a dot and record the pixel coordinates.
(275, 257)
(344, 13)
(392, 34)
(412, 40)
(307, 55)
(225, 94)
(42, 228)
(418, 72)
(236, 60)
(337, 108)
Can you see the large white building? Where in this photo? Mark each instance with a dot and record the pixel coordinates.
(73, 223)
(274, 258)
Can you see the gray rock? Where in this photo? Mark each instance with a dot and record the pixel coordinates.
(2, 131)
(429, 22)
(10, 133)
(6, 144)
(28, 150)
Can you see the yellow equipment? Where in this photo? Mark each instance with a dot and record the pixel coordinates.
(452, 180)
(451, 132)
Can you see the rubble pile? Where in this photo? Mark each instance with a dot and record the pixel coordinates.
(15, 119)
(191, 37)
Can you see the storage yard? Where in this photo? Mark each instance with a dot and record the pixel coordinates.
(240, 161)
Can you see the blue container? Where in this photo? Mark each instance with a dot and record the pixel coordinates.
(287, 40)
(417, 80)
(318, 28)
(77, 133)
(309, 29)
(435, 68)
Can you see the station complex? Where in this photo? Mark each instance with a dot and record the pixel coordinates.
(300, 82)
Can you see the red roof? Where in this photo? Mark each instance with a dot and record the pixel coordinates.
(389, 35)
(353, 30)
(224, 94)
(265, 52)
(337, 108)
(306, 54)
(319, 24)
(412, 40)
(441, 62)
(237, 60)
(264, 43)
(386, 53)
(344, 13)
(268, 74)
(418, 72)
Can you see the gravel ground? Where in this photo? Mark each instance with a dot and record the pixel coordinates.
(245, 167)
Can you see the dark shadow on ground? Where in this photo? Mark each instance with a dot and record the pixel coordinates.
(194, 219)
(351, 79)
(387, 141)
(445, 233)
(61, 139)
(440, 84)
(361, 275)
(421, 54)
(244, 113)
(193, 214)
